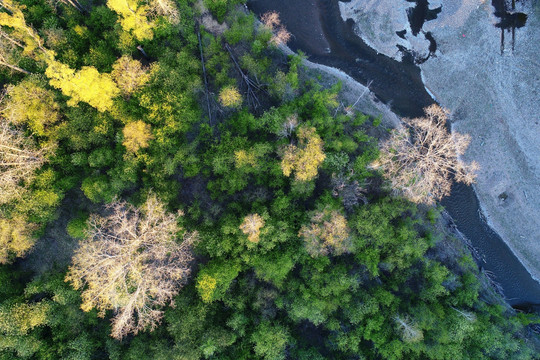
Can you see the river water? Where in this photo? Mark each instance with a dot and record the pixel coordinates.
(319, 31)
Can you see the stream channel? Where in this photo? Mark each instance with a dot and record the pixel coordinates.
(319, 31)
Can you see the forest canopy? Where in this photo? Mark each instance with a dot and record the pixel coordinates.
(172, 186)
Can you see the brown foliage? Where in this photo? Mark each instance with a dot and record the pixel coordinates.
(130, 262)
(327, 233)
(252, 227)
(420, 161)
(19, 159)
(272, 22)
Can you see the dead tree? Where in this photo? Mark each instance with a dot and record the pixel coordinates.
(131, 262)
(20, 157)
(422, 160)
(251, 85)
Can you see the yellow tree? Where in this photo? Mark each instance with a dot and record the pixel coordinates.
(17, 39)
(327, 233)
(130, 262)
(133, 18)
(421, 160)
(21, 34)
(137, 136)
(230, 97)
(15, 238)
(29, 102)
(306, 158)
(129, 74)
(87, 85)
(19, 318)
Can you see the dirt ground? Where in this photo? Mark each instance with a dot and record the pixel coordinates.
(493, 97)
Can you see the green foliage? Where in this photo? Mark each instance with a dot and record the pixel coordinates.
(77, 227)
(284, 269)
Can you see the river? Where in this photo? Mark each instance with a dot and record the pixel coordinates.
(319, 31)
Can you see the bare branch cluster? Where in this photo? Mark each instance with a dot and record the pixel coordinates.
(272, 22)
(20, 157)
(130, 262)
(327, 233)
(421, 160)
(251, 226)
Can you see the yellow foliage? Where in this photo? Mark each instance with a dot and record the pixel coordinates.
(244, 158)
(21, 318)
(87, 85)
(230, 96)
(137, 135)
(133, 18)
(15, 238)
(252, 227)
(22, 33)
(306, 158)
(206, 285)
(129, 74)
(80, 30)
(30, 103)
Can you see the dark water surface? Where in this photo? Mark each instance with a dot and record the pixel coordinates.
(319, 31)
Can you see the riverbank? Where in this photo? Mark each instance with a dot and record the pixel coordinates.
(492, 96)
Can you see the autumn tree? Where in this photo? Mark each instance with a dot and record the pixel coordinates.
(87, 85)
(20, 34)
(15, 238)
(230, 97)
(421, 160)
(20, 157)
(17, 39)
(137, 135)
(272, 22)
(133, 18)
(29, 102)
(10, 54)
(251, 226)
(327, 233)
(306, 158)
(165, 8)
(129, 74)
(130, 262)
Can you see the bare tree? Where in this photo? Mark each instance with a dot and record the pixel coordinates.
(130, 262)
(272, 22)
(421, 160)
(408, 329)
(20, 157)
(251, 226)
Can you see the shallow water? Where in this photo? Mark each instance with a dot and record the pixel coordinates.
(319, 31)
